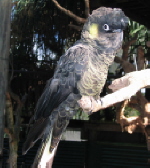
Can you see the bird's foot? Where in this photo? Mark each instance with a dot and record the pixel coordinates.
(89, 104)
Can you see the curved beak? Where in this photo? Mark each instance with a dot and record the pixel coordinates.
(124, 22)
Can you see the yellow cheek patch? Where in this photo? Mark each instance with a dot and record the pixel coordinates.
(93, 30)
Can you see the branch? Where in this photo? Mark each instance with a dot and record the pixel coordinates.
(140, 103)
(123, 89)
(120, 110)
(126, 65)
(69, 13)
(87, 8)
(126, 46)
(140, 58)
(15, 97)
(13, 147)
(78, 28)
(9, 115)
(129, 124)
(126, 87)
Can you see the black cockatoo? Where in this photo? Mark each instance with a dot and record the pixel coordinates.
(81, 71)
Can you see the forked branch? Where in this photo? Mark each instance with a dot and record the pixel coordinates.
(71, 14)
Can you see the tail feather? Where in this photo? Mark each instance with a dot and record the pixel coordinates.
(35, 133)
(44, 158)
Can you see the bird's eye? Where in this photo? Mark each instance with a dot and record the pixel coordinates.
(106, 27)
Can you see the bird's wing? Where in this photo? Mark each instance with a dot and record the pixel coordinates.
(58, 89)
(67, 74)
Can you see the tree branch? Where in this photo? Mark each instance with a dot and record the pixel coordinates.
(78, 28)
(140, 58)
(13, 126)
(87, 8)
(126, 46)
(69, 13)
(13, 144)
(126, 87)
(126, 65)
(123, 89)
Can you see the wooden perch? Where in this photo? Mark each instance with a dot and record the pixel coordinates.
(126, 87)
(123, 89)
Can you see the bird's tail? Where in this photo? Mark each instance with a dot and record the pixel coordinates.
(35, 133)
(44, 157)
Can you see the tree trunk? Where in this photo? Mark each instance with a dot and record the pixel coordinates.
(10, 131)
(12, 125)
(5, 8)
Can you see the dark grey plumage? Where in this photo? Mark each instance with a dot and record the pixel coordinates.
(82, 70)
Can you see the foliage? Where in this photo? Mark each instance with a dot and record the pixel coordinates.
(80, 115)
(130, 112)
(143, 35)
(135, 27)
(39, 31)
(39, 36)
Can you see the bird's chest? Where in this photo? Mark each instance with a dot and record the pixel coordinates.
(94, 77)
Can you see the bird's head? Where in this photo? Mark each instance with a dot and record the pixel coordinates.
(106, 26)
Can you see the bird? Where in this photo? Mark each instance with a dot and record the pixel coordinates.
(81, 71)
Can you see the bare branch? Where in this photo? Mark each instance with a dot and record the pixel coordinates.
(11, 132)
(123, 88)
(69, 13)
(126, 46)
(13, 126)
(15, 97)
(126, 65)
(78, 28)
(120, 107)
(140, 58)
(87, 8)
(130, 124)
